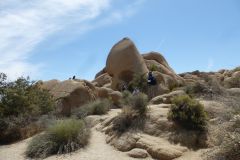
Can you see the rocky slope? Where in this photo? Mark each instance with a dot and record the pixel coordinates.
(159, 138)
(119, 70)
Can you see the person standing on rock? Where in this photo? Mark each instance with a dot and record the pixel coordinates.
(151, 79)
(151, 85)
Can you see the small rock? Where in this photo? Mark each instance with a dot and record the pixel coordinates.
(166, 98)
(138, 153)
(125, 142)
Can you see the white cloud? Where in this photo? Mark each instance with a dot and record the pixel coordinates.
(26, 23)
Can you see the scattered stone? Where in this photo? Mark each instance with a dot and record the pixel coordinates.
(166, 98)
(138, 153)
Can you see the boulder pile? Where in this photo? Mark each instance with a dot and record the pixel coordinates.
(123, 63)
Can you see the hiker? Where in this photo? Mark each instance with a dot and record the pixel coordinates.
(151, 85)
(74, 77)
(151, 79)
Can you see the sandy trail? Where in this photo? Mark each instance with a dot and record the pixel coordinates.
(96, 150)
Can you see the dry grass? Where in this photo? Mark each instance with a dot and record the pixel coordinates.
(63, 137)
(188, 113)
(98, 107)
(133, 113)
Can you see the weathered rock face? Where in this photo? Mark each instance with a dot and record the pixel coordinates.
(100, 72)
(70, 94)
(166, 98)
(123, 62)
(159, 60)
(138, 153)
(102, 80)
(163, 71)
(232, 80)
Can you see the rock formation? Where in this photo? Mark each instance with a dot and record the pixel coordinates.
(70, 93)
(123, 62)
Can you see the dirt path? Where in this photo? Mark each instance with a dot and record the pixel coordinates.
(14, 151)
(96, 150)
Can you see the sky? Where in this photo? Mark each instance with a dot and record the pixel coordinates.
(56, 39)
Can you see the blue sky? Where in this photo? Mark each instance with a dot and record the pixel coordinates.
(56, 39)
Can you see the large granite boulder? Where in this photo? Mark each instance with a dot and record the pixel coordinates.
(156, 61)
(70, 94)
(102, 80)
(123, 62)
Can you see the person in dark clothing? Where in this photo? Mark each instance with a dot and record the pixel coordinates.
(74, 77)
(151, 79)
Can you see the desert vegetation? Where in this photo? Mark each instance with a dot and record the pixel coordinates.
(139, 81)
(133, 112)
(63, 137)
(98, 107)
(209, 88)
(22, 103)
(188, 113)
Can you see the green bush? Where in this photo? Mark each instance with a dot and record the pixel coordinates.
(14, 128)
(64, 137)
(98, 107)
(153, 67)
(196, 88)
(139, 103)
(126, 98)
(23, 97)
(22, 103)
(128, 119)
(133, 112)
(136, 102)
(209, 88)
(139, 81)
(188, 112)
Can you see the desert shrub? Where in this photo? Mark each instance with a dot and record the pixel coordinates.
(136, 102)
(126, 98)
(124, 120)
(128, 119)
(22, 102)
(173, 86)
(63, 137)
(139, 81)
(139, 103)
(98, 107)
(133, 113)
(210, 88)
(17, 128)
(153, 67)
(195, 88)
(230, 148)
(23, 97)
(188, 112)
